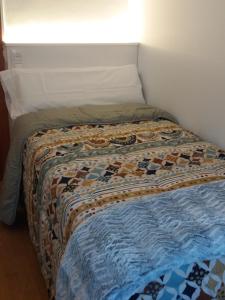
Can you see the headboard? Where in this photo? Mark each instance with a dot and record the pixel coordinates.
(69, 55)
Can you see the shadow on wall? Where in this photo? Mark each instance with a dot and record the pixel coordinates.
(192, 88)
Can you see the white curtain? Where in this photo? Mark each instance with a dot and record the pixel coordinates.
(81, 21)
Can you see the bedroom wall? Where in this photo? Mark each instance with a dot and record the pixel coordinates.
(68, 21)
(182, 62)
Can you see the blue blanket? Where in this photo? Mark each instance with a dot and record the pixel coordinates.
(122, 248)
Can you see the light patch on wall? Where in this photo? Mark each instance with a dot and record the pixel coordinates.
(136, 12)
(71, 21)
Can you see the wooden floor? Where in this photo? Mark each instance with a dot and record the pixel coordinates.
(20, 276)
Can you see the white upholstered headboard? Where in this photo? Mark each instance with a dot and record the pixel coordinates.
(69, 55)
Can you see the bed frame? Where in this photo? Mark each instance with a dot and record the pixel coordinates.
(4, 124)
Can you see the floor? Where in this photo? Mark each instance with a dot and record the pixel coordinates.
(20, 276)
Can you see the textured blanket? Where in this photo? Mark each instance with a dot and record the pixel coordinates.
(25, 125)
(121, 249)
(111, 207)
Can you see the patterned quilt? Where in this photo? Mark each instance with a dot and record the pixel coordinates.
(133, 210)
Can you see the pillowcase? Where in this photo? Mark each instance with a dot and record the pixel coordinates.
(8, 82)
(29, 90)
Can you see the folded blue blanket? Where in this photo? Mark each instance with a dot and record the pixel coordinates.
(119, 250)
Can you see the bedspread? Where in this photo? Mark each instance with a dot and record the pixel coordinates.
(111, 207)
(27, 124)
(125, 248)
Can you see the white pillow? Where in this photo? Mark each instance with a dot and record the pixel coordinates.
(29, 90)
(8, 82)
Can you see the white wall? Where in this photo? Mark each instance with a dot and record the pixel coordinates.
(182, 62)
(68, 21)
(69, 55)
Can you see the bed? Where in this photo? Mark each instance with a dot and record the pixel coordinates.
(122, 203)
